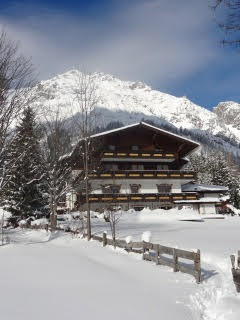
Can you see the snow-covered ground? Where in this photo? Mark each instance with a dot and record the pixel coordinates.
(216, 236)
(58, 276)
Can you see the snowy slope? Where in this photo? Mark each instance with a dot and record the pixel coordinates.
(132, 101)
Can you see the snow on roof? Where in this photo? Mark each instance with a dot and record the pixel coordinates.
(203, 187)
(146, 125)
(202, 200)
(114, 130)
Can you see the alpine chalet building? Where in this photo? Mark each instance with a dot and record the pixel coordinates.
(139, 166)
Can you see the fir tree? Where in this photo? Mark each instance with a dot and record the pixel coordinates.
(217, 168)
(222, 175)
(24, 192)
(201, 163)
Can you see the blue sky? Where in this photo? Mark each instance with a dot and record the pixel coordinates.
(171, 45)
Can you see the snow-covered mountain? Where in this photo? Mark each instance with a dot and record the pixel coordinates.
(130, 102)
(229, 112)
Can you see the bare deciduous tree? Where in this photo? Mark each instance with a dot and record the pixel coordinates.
(85, 101)
(16, 79)
(113, 214)
(57, 170)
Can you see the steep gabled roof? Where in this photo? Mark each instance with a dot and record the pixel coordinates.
(190, 145)
(146, 125)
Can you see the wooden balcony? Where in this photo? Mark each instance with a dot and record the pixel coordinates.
(144, 174)
(149, 197)
(139, 155)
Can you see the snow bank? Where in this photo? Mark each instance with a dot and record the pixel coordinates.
(151, 216)
(39, 222)
(22, 222)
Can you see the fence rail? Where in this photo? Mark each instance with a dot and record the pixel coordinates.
(157, 253)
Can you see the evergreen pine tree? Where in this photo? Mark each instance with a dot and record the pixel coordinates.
(24, 192)
(201, 163)
(222, 175)
(217, 168)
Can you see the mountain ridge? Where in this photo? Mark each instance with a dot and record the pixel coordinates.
(129, 102)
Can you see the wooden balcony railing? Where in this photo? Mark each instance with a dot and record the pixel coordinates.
(144, 174)
(139, 155)
(147, 197)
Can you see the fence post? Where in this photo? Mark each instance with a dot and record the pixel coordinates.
(129, 247)
(157, 254)
(144, 249)
(232, 257)
(236, 270)
(238, 259)
(175, 260)
(104, 239)
(197, 266)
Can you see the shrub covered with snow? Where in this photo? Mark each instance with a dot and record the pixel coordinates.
(40, 222)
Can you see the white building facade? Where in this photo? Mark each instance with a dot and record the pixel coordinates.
(141, 166)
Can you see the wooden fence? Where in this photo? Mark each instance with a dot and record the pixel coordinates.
(236, 270)
(161, 255)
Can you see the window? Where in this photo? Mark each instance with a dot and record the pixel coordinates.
(137, 166)
(162, 167)
(111, 188)
(82, 188)
(138, 208)
(164, 188)
(111, 166)
(111, 147)
(135, 188)
(135, 148)
(150, 166)
(166, 207)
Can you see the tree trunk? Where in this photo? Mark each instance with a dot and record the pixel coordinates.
(53, 214)
(87, 192)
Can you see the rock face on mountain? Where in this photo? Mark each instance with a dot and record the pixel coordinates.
(229, 112)
(130, 102)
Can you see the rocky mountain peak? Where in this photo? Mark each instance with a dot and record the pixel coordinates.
(229, 112)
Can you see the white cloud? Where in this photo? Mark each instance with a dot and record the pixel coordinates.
(157, 41)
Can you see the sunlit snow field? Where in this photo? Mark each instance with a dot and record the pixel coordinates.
(60, 276)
